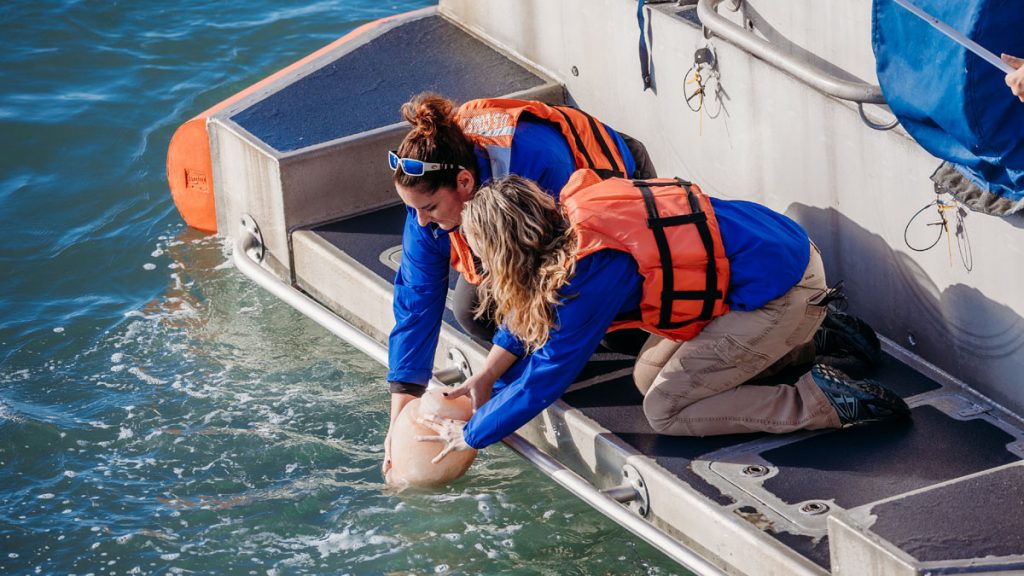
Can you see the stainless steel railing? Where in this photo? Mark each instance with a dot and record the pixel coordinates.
(717, 25)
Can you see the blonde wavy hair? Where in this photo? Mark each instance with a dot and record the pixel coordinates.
(528, 250)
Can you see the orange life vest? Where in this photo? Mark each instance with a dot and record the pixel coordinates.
(670, 229)
(491, 124)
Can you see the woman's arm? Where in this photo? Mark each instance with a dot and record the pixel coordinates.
(479, 385)
(398, 402)
(421, 285)
(605, 284)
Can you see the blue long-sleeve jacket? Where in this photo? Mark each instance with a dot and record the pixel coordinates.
(605, 284)
(540, 153)
(767, 253)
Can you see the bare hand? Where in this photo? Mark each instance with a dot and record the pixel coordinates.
(478, 386)
(448, 431)
(1015, 80)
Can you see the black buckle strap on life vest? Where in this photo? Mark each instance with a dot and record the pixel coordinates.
(697, 217)
(605, 146)
(604, 173)
(576, 137)
(678, 220)
(685, 184)
(711, 277)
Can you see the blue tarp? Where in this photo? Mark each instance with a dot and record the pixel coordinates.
(956, 105)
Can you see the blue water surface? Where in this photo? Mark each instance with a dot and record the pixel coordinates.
(158, 412)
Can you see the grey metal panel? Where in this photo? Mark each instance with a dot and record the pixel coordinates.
(248, 181)
(618, 406)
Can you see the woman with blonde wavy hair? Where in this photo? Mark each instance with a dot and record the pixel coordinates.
(530, 251)
(729, 290)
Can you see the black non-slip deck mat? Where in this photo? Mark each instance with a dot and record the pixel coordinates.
(365, 88)
(368, 236)
(618, 406)
(859, 465)
(973, 518)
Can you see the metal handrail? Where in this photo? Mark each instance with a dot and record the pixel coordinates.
(310, 308)
(606, 505)
(860, 92)
(243, 256)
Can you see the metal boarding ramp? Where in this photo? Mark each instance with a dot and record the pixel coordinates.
(305, 195)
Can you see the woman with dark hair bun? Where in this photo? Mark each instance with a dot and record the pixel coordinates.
(446, 156)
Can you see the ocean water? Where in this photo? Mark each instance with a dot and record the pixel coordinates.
(158, 412)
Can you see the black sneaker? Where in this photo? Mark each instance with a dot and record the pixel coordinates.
(842, 334)
(852, 366)
(858, 401)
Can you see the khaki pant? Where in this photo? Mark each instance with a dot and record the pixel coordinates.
(695, 388)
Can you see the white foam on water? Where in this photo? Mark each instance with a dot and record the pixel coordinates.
(344, 541)
(138, 373)
(7, 414)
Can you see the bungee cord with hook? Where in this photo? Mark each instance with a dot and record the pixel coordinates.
(943, 208)
(698, 77)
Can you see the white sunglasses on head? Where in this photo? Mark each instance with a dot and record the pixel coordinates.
(414, 167)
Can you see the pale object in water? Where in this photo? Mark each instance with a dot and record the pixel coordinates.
(410, 458)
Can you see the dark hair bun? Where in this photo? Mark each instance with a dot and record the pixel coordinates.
(428, 113)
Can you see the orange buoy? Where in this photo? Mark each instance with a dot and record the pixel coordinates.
(189, 167)
(190, 175)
